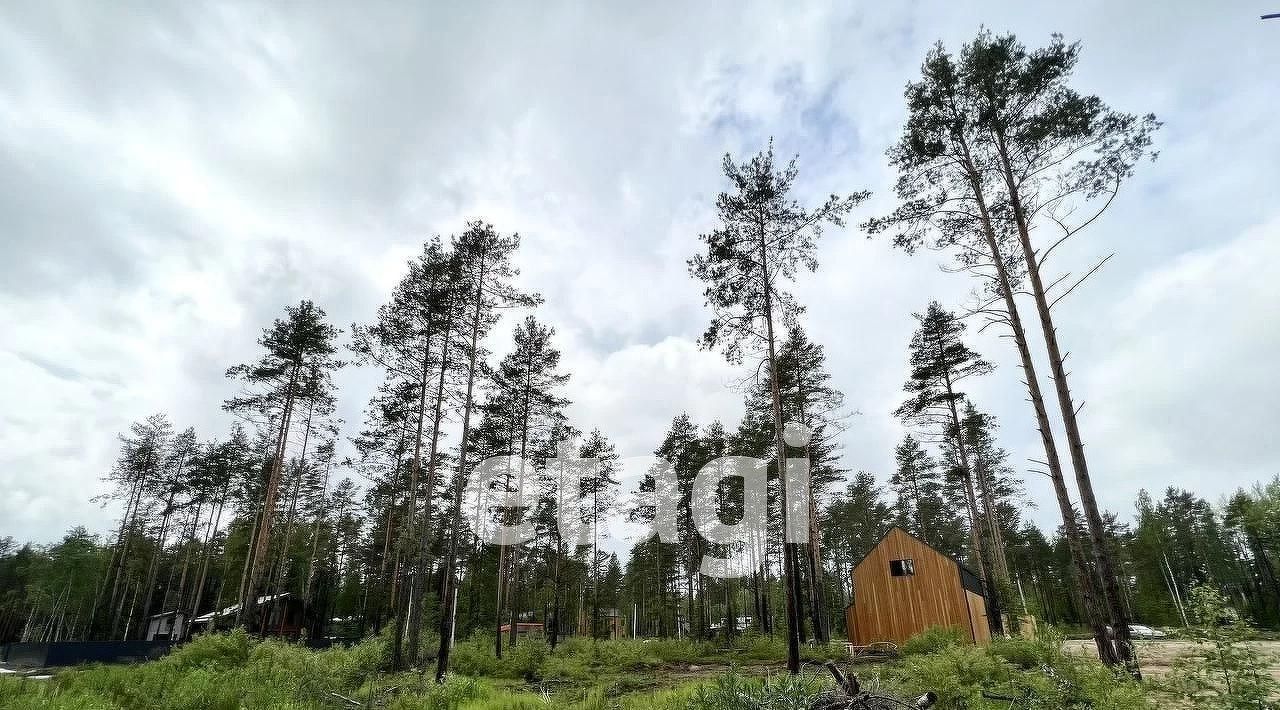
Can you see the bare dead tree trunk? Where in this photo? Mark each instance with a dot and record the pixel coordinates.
(1075, 444)
(1012, 319)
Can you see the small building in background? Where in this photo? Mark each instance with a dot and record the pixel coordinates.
(274, 615)
(613, 625)
(523, 629)
(166, 626)
(903, 587)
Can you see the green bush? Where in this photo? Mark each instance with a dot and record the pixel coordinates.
(212, 651)
(1038, 671)
(474, 657)
(933, 640)
(232, 671)
(524, 660)
(956, 672)
(732, 691)
(1222, 671)
(213, 672)
(453, 694)
(1023, 653)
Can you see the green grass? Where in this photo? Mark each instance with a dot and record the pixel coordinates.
(232, 671)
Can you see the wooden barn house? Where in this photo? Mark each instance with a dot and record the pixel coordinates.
(904, 586)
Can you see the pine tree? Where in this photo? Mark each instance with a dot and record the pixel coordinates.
(525, 396)
(810, 399)
(763, 239)
(1059, 155)
(922, 509)
(599, 494)
(297, 365)
(141, 458)
(224, 464)
(167, 487)
(949, 198)
(940, 361)
(413, 339)
(1254, 518)
(485, 275)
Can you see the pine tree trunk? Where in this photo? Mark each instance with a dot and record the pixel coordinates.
(186, 559)
(406, 615)
(314, 559)
(282, 568)
(446, 620)
(118, 595)
(248, 562)
(116, 566)
(979, 550)
(424, 546)
(204, 565)
(555, 600)
(995, 534)
(513, 571)
(249, 599)
(788, 549)
(154, 568)
(1075, 444)
(1084, 575)
(817, 604)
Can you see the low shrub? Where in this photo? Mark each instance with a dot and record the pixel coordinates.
(524, 660)
(956, 672)
(732, 691)
(1023, 653)
(1034, 670)
(453, 694)
(229, 650)
(474, 657)
(933, 640)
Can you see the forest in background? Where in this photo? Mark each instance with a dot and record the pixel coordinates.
(1000, 163)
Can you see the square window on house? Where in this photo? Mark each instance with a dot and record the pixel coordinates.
(902, 568)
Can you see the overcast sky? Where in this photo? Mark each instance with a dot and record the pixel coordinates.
(173, 174)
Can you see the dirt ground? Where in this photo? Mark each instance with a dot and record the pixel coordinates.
(1156, 657)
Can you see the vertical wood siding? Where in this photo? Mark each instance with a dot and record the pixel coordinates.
(888, 608)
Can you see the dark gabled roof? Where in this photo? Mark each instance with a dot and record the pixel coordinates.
(973, 582)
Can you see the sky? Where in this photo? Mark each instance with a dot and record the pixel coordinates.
(173, 174)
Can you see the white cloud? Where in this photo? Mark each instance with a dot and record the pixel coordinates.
(1183, 395)
(171, 177)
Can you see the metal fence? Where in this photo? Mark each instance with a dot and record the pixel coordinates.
(71, 653)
